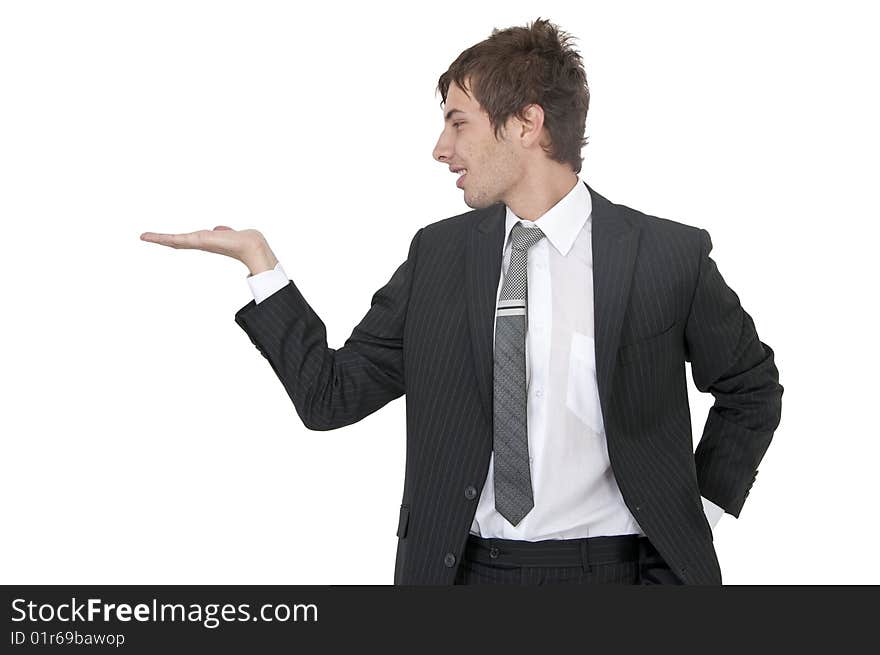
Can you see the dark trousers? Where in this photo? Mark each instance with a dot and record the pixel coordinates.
(621, 559)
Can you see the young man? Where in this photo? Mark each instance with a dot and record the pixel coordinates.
(541, 341)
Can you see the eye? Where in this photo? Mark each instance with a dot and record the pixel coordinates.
(456, 124)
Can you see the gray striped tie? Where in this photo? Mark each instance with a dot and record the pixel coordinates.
(513, 483)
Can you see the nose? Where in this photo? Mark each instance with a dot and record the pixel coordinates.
(441, 149)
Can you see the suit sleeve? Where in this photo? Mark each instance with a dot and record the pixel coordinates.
(331, 388)
(729, 361)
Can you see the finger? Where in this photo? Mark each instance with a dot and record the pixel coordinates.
(172, 240)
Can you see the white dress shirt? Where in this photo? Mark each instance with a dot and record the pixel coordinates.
(574, 489)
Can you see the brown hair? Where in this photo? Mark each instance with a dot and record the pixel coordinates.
(519, 66)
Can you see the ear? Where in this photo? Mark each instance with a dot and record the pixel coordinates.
(532, 124)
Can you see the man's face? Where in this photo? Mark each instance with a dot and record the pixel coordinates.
(468, 141)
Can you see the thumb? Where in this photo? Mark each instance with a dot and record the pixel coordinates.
(222, 227)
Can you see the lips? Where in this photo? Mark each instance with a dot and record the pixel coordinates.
(460, 180)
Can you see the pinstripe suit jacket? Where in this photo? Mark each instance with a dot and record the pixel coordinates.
(659, 301)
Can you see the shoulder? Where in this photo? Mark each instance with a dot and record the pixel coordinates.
(658, 226)
(658, 233)
(458, 224)
(450, 233)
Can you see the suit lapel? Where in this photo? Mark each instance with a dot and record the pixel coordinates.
(614, 243)
(483, 262)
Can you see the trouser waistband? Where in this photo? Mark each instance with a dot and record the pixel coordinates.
(586, 551)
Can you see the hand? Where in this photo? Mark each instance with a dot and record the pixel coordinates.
(247, 246)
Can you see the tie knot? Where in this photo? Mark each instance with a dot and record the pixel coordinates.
(523, 238)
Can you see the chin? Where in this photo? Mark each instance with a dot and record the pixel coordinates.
(476, 202)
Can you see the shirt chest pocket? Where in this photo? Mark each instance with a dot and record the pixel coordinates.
(582, 389)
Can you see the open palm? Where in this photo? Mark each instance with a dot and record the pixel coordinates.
(247, 246)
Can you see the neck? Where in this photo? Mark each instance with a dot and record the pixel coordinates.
(533, 197)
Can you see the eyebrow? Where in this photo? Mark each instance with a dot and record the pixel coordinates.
(453, 111)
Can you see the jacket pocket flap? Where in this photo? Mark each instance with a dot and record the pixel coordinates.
(403, 522)
(630, 351)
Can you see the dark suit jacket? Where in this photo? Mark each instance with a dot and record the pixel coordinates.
(659, 301)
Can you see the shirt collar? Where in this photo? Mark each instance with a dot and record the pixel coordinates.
(563, 221)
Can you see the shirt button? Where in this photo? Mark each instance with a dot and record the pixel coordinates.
(470, 492)
(539, 393)
(449, 560)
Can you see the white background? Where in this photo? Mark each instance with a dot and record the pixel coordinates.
(144, 438)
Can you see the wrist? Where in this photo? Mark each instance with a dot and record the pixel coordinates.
(260, 260)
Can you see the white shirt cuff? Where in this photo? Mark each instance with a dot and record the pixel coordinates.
(266, 283)
(713, 512)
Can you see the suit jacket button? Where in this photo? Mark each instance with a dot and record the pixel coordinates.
(449, 560)
(470, 492)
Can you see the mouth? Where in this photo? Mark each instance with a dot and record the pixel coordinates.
(460, 181)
